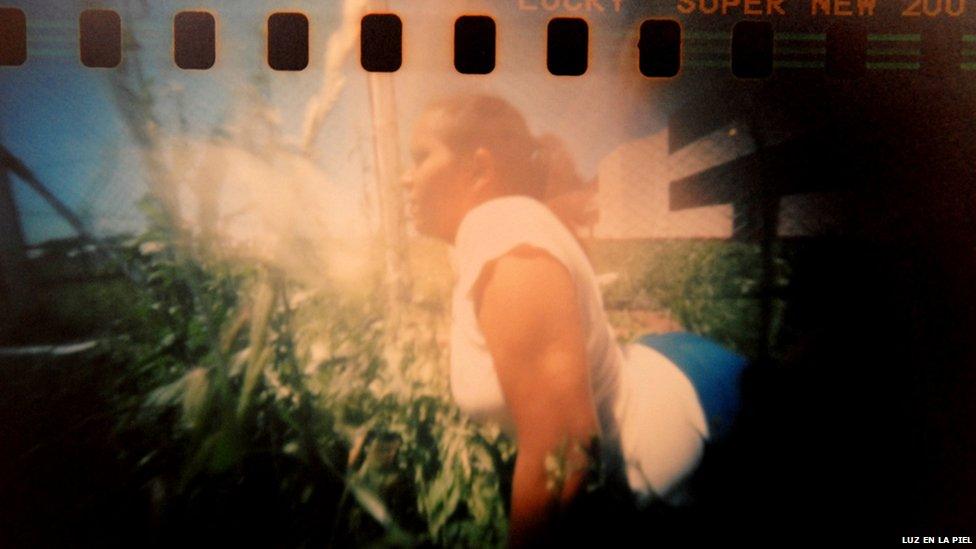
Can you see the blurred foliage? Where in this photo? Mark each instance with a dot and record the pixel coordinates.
(292, 413)
(251, 407)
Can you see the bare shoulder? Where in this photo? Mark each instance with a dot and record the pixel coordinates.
(525, 300)
(533, 329)
(526, 272)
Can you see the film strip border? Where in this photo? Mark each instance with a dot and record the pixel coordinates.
(753, 49)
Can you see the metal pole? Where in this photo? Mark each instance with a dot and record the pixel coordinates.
(15, 282)
(12, 163)
(8, 162)
(767, 204)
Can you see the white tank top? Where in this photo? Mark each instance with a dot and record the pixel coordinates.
(652, 424)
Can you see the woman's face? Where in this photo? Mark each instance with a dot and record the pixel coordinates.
(439, 183)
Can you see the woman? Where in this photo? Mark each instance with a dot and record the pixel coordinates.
(530, 344)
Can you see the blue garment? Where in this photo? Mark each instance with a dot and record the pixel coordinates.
(714, 371)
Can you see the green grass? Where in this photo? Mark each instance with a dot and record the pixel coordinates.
(893, 65)
(800, 37)
(708, 286)
(894, 38)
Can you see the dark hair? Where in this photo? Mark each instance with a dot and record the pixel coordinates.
(539, 167)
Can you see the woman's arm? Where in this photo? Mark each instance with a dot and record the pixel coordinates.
(528, 311)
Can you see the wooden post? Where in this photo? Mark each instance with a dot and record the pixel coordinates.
(386, 148)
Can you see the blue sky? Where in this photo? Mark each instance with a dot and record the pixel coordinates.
(54, 115)
(60, 117)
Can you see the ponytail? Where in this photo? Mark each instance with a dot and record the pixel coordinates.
(567, 194)
(538, 167)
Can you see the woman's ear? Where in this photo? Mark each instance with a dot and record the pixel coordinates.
(484, 172)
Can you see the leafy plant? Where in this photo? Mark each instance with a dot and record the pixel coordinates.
(302, 405)
(711, 287)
